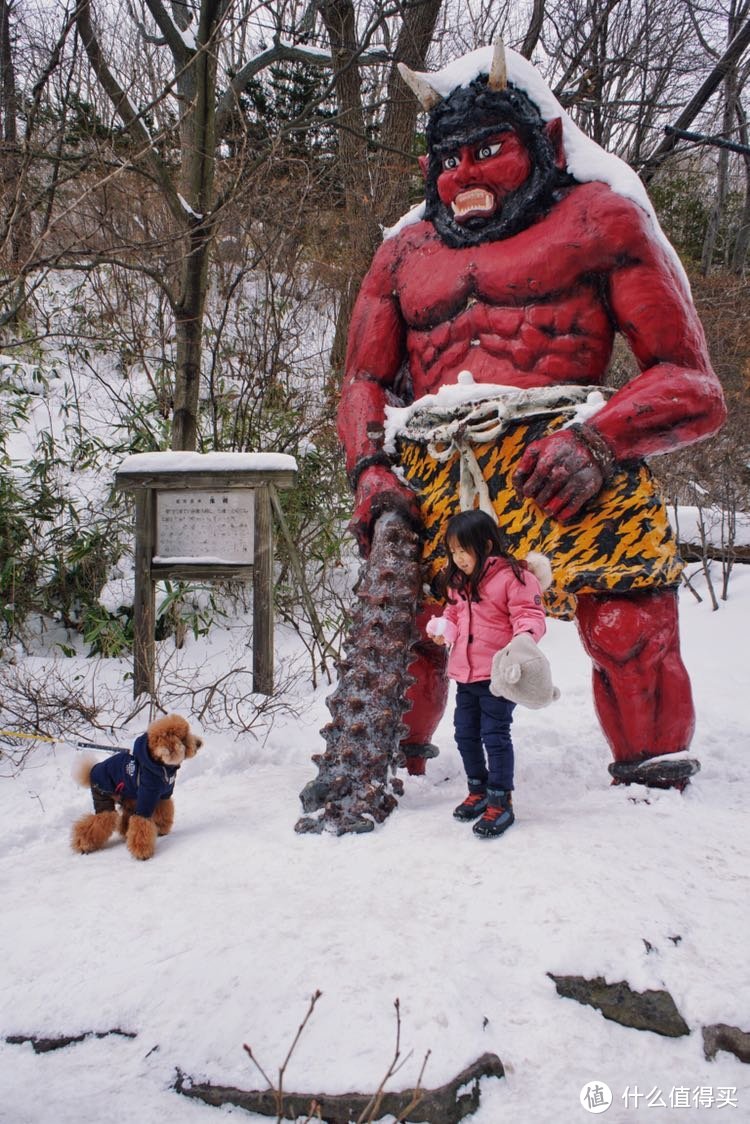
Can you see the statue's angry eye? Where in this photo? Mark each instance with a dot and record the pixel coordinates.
(482, 152)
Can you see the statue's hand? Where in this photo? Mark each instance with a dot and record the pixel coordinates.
(379, 490)
(563, 471)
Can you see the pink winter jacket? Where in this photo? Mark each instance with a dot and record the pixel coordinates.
(478, 629)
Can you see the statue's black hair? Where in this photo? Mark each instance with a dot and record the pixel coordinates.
(472, 113)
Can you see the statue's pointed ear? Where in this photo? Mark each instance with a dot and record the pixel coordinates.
(424, 163)
(554, 131)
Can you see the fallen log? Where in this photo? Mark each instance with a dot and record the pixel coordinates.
(643, 1010)
(447, 1104)
(694, 552)
(46, 1045)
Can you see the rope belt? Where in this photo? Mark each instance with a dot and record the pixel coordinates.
(482, 423)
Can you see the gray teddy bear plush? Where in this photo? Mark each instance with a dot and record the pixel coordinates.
(522, 674)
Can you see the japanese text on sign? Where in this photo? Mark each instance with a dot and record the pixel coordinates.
(206, 524)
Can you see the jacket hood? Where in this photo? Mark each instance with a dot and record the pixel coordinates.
(537, 563)
(146, 761)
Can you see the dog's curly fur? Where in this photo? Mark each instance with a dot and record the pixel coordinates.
(170, 741)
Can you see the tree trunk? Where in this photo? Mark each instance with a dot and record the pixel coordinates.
(396, 163)
(534, 30)
(17, 222)
(188, 345)
(722, 175)
(738, 262)
(717, 211)
(198, 166)
(362, 230)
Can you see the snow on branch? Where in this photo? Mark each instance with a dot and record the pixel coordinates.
(179, 42)
(282, 52)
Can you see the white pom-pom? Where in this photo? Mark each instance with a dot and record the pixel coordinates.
(540, 567)
(465, 378)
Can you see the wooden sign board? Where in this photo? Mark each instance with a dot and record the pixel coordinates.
(205, 526)
(207, 517)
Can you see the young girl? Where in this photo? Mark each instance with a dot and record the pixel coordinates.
(492, 597)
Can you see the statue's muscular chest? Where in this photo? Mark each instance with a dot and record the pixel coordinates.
(546, 262)
(525, 311)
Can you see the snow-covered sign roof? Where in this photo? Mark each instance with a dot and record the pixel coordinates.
(181, 462)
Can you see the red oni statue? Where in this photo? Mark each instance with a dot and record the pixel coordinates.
(532, 248)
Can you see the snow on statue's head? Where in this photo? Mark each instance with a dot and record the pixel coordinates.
(490, 97)
(493, 165)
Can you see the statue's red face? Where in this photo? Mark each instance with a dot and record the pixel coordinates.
(477, 178)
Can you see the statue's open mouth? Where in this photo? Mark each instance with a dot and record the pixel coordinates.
(476, 201)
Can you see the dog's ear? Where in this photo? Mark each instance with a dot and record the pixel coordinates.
(192, 745)
(161, 747)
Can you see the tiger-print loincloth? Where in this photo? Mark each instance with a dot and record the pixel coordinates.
(621, 542)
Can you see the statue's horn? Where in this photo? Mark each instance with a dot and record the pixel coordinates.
(421, 88)
(498, 76)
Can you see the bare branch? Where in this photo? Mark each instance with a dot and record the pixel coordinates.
(279, 52)
(171, 34)
(730, 57)
(125, 109)
(534, 29)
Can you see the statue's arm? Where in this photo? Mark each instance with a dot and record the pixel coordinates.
(675, 400)
(375, 354)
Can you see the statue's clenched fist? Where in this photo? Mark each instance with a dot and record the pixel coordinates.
(379, 490)
(562, 472)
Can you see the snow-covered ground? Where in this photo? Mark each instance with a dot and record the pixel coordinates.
(222, 938)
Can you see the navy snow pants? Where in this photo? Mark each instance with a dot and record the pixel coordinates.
(482, 727)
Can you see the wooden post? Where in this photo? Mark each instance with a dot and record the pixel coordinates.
(144, 600)
(263, 595)
(299, 573)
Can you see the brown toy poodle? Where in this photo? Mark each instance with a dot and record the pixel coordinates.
(141, 782)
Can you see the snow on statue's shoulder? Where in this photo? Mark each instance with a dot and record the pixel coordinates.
(149, 463)
(416, 214)
(586, 160)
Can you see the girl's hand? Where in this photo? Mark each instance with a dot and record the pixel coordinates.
(435, 628)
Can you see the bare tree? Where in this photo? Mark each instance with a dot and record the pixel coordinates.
(730, 97)
(147, 185)
(729, 59)
(376, 188)
(17, 225)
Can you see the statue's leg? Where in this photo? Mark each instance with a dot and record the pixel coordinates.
(427, 695)
(641, 687)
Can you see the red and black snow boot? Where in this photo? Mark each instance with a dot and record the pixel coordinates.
(474, 804)
(498, 815)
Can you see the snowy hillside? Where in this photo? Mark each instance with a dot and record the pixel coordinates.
(222, 938)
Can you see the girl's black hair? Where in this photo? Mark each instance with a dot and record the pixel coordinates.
(478, 532)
